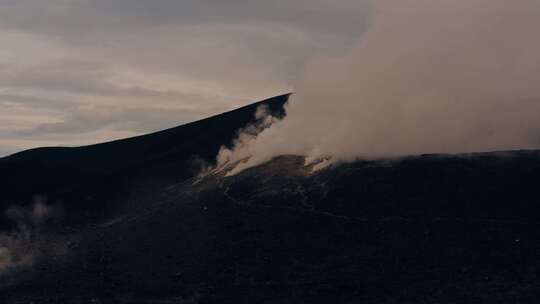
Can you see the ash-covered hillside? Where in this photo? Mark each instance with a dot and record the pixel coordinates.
(135, 221)
(86, 180)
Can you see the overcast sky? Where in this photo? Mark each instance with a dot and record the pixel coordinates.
(76, 72)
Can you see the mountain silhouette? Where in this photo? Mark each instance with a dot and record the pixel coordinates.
(137, 222)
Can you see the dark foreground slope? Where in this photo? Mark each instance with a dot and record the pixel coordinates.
(426, 229)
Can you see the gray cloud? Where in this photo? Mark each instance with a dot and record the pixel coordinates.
(70, 18)
(138, 120)
(34, 101)
(79, 77)
(58, 87)
(205, 38)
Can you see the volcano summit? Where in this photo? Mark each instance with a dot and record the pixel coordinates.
(142, 220)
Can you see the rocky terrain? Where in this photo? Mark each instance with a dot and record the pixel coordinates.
(135, 221)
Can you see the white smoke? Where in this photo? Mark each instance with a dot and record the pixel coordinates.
(19, 248)
(446, 76)
(228, 158)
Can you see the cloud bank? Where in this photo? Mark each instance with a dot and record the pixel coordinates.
(427, 77)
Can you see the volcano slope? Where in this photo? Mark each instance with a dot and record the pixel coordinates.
(422, 229)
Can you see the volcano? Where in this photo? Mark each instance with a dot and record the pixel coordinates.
(135, 221)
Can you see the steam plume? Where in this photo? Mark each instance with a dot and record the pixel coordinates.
(19, 248)
(446, 76)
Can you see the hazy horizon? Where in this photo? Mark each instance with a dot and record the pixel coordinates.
(81, 72)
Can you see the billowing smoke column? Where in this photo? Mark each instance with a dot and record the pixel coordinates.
(444, 76)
